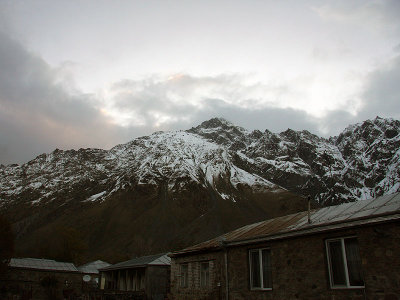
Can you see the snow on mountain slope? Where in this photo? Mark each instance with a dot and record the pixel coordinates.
(361, 162)
(372, 148)
(165, 156)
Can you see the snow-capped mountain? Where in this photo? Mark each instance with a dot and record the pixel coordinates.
(363, 161)
(216, 167)
(176, 158)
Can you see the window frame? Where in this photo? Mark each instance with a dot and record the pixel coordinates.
(260, 269)
(205, 281)
(184, 280)
(344, 258)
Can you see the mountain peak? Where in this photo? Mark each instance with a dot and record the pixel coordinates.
(220, 131)
(216, 122)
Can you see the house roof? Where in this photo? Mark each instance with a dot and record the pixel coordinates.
(93, 267)
(154, 260)
(381, 209)
(42, 264)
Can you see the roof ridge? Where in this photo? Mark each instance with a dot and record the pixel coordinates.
(336, 214)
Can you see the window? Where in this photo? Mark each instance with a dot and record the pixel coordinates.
(260, 269)
(344, 263)
(184, 275)
(205, 274)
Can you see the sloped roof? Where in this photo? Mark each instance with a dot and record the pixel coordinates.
(42, 264)
(155, 260)
(357, 213)
(93, 267)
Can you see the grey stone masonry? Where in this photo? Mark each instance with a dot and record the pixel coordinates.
(194, 290)
(299, 268)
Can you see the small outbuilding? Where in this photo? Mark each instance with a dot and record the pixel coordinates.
(91, 271)
(347, 251)
(33, 278)
(90, 278)
(146, 277)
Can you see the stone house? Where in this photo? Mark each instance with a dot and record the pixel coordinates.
(348, 251)
(33, 278)
(144, 277)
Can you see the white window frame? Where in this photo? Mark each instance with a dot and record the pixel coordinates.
(184, 280)
(260, 270)
(346, 271)
(205, 280)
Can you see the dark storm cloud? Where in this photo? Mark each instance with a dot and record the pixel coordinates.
(28, 84)
(37, 114)
(382, 92)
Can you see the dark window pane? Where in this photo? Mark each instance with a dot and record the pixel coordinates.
(337, 263)
(255, 269)
(204, 274)
(184, 275)
(353, 262)
(267, 276)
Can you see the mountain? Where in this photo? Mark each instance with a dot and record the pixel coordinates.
(360, 163)
(171, 189)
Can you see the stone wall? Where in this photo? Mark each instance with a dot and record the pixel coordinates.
(300, 268)
(157, 282)
(215, 289)
(36, 284)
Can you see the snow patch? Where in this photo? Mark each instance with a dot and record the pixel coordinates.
(95, 197)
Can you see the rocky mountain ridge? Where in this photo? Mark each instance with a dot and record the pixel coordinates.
(216, 175)
(363, 161)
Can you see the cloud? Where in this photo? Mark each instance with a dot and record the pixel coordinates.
(40, 110)
(182, 101)
(382, 91)
(273, 119)
(380, 96)
(38, 114)
(378, 16)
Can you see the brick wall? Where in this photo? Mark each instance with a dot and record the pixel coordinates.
(300, 268)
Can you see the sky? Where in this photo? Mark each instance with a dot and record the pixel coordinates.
(78, 74)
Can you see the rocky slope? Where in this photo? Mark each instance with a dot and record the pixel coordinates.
(170, 189)
(362, 162)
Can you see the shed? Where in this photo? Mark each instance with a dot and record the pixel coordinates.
(90, 277)
(144, 277)
(38, 278)
(93, 267)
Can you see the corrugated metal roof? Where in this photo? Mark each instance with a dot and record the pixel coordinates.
(93, 267)
(158, 259)
(42, 264)
(342, 215)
